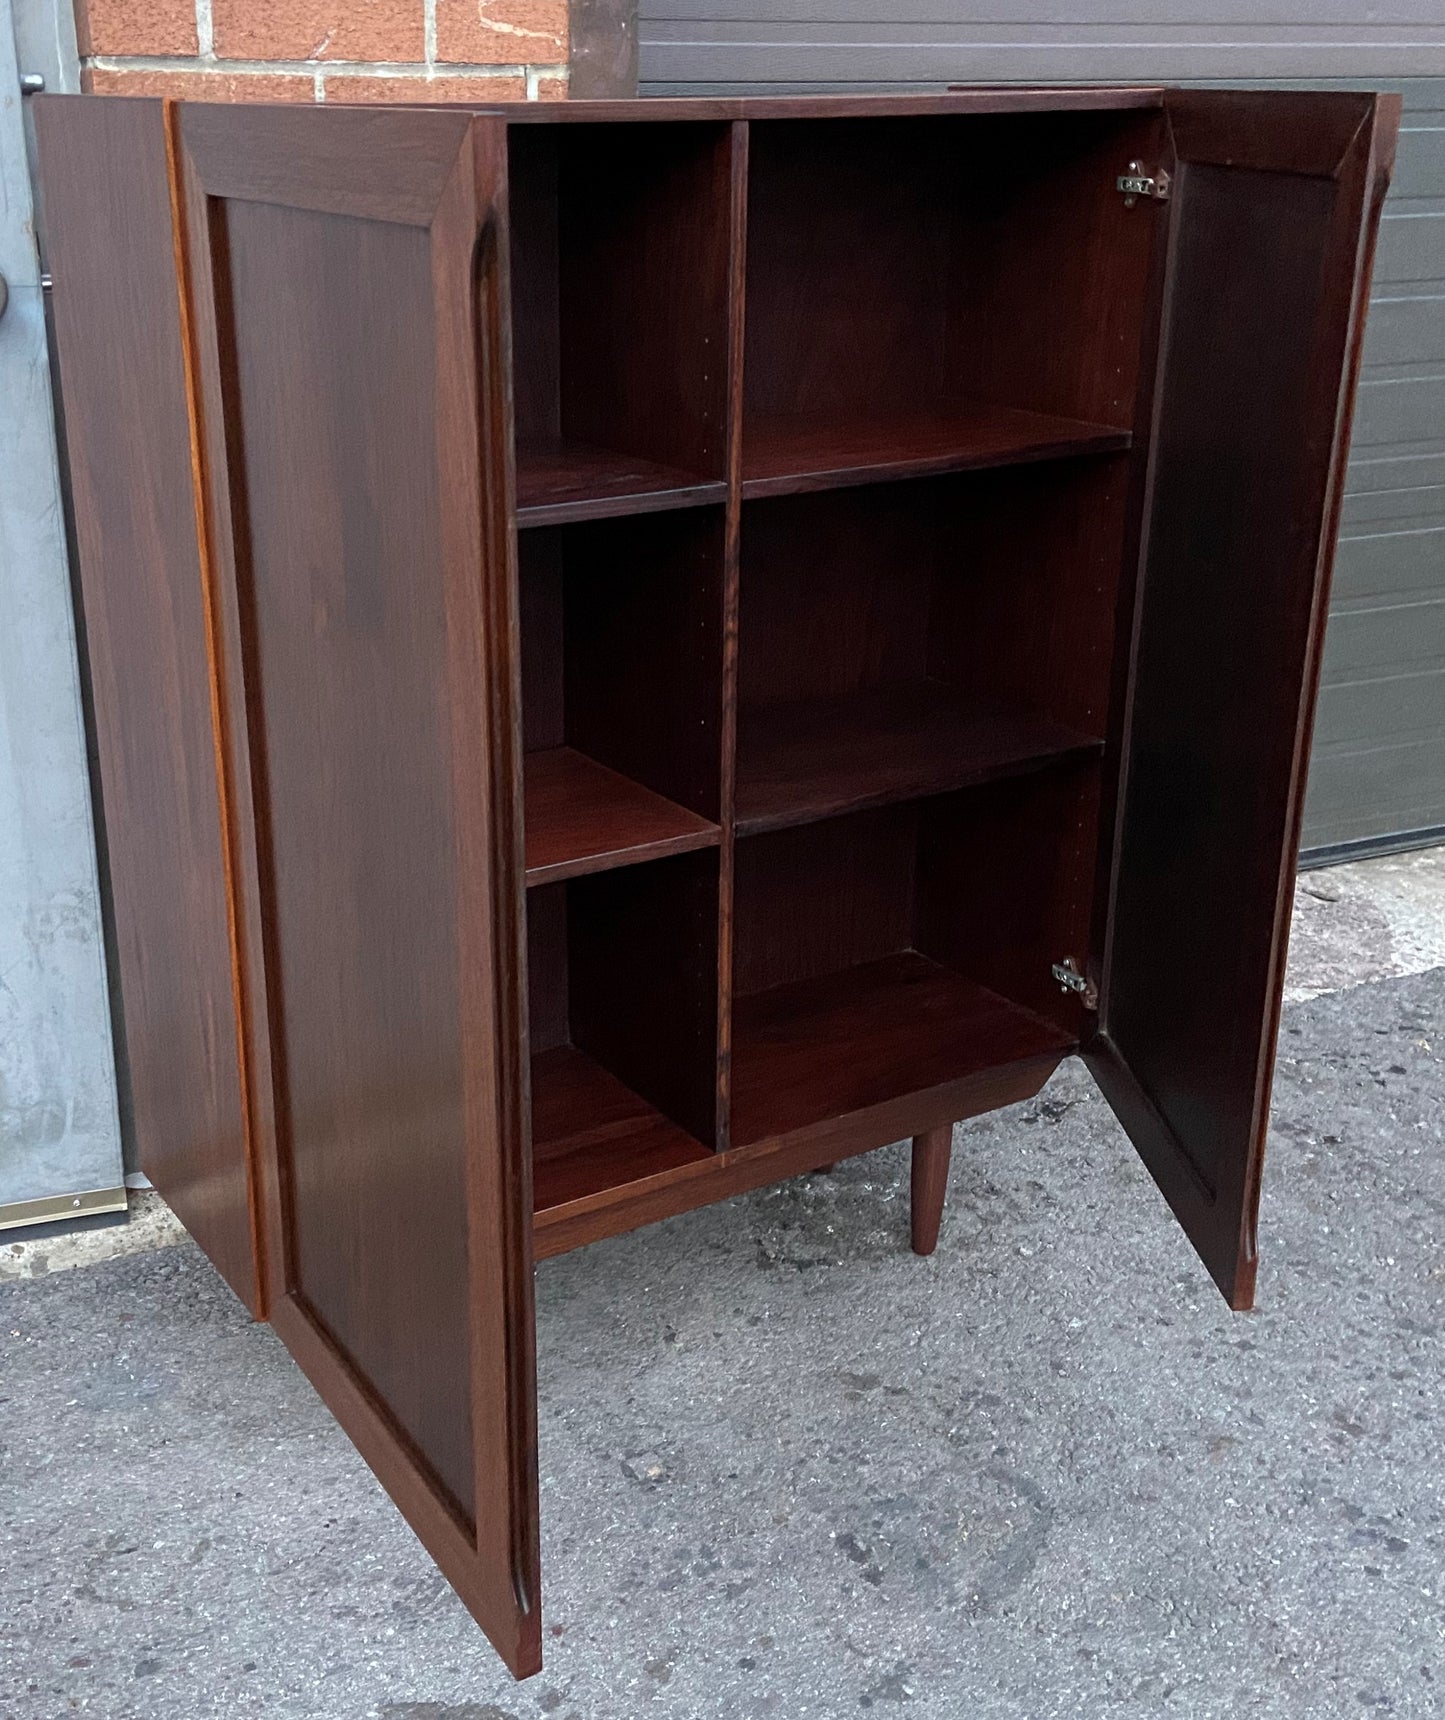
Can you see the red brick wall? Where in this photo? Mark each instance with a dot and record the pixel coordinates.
(326, 50)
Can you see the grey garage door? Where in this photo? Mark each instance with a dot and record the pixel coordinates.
(1378, 775)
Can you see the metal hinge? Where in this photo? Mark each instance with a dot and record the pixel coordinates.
(1067, 974)
(1139, 182)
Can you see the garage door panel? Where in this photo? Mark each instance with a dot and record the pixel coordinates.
(1406, 329)
(1420, 161)
(1395, 710)
(1390, 563)
(1400, 410)
(1351, 792)
(1394, 494)
(1411, 247)
(1385, 637)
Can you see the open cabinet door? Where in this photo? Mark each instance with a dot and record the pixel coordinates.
(343, 279)
(1272, 209)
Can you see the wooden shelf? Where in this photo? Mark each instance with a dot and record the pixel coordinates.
(558, 482)
(590, 1132)
(828, 1047)
(800, 762)
(786, 457)
(582, 817)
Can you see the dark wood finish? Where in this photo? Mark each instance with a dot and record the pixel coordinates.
(858, 905)
(591, 1133)
(720, 1175)
(386, 834)
(375, 164)
(620, 267)
(644, 962)
(368, 1067)
(582, 817)
(976, 100)
(850, 1041)
(1005, 886)
(643, 651)
(623, 649)
(789, 457)
(1272, 223)
(928, 1184)
(648, 935)
(559, 482)
(801, 762)
(148, 628)
(786, 575)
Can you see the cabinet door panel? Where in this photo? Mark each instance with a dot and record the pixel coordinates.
(344, 281)
(110, 245)
(1273, 205)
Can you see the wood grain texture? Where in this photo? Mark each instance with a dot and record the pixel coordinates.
(801, 762)
(592, 1133)
(122, 378)
(643, 951)
(562, 481)
(850, 1041)
(983, 99)
(643, 630)
(619, 275)
(356, 798)
(818, 897)
(784, 457)
(388, 845)
(1267, 283)
(1005, 886)
(625, 1207)
(375, 163)
(928, 1183)
(582, 817)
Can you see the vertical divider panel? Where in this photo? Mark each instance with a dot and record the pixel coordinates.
(737, 322)
(359, 555)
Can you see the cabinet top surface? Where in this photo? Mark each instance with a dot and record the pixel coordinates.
(981, 99)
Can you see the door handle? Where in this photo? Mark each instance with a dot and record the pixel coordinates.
(4, 294)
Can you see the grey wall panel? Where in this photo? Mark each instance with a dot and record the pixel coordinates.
(1359, 794)
(1406, 328)
(1380, 735)
(1395, 410)
(1401, 560)
(1390, 635)
(754, 43)
(1412, 246)
(1379, 760)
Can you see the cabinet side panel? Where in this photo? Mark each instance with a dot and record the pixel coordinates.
(327, 331)
(111, 252)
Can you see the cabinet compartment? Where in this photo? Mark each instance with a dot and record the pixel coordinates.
(903, 640)
(856, 977)
(622, 1002)
(939, 293)
(621, 625)
(619, 281)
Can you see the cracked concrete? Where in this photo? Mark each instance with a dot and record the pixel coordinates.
(788, 1468)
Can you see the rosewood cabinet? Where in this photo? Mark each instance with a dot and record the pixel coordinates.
(642, 648)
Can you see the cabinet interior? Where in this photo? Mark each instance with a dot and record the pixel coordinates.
(825, 491)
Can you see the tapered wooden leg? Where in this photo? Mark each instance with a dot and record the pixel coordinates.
(931, 1154)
